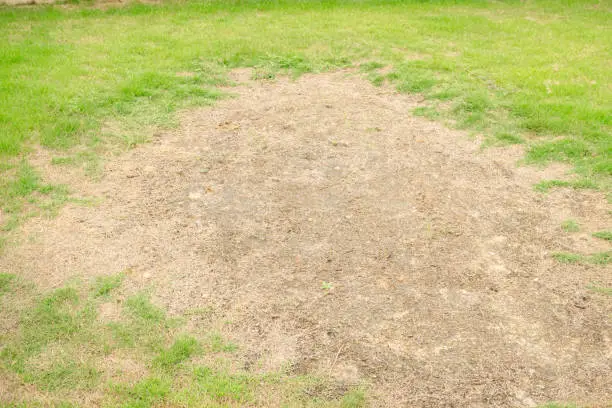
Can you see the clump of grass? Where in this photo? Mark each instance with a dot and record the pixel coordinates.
(607, 235)
(582, 184)
(104, 285)
(599, 258)
(6, 280)
(182, 349)
(145, 325)
(567, 258)
(66, 374)
(503, 139)
(221, 385)
(23, 195)
(144, 394)
(428, 112)
(140, 307)
(570, 226)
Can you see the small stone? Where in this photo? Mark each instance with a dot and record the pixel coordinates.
(204, 170)
(195, 195)
(146, 275)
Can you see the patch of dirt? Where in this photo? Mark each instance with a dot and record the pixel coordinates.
(440, 287)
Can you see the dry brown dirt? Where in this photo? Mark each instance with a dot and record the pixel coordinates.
(440, 289)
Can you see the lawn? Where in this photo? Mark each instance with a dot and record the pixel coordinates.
(82, 81)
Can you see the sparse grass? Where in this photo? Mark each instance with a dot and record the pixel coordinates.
(216, 344)
(62, 343)
(568, 258)
(502, 138)
(570, 226)
(23, 194)
(84, 78)
(607, 235)
(582, 184)
(599, 258)
(599, 288)
(354, 399)
(104, 285)
(182, 349)
(6, 279)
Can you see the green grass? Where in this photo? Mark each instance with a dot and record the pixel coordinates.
(582, 184)
(607, 235)
(570, 226)
(104, 285)
(568, 258)
(599, 258)
(6, 280)
(80, 80)
(182, 349)
(62, 344)
(23, 194)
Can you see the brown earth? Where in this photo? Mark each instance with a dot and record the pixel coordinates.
(440, 289)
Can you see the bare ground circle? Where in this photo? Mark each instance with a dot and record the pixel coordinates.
(345, 237)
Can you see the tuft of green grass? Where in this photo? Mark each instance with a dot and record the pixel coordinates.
(222, 386)
(582, 184)
(502, 138)
(145, 325)
(182, 349)
(599, 258)
(140, 307)
(570, 226)
(144, 394)
(64, 375)
(567, 258)
(607, 235)
(104, 285)
(23, 195)
(6, 279)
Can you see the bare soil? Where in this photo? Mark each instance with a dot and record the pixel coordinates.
(440, 289)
